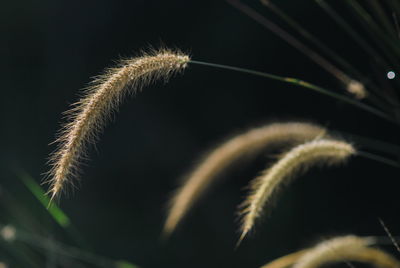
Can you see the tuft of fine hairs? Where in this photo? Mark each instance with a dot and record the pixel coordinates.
(332, 250)
(292, 163)
(345, 249)
(89, 115)
(285, 261)
(357, 89)
(231, 151)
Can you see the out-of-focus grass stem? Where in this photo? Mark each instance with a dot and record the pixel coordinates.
(379, 158)
(353, 33)
(68, 251)
(376, 33)
(374, 98)
(376, 7)
(297, 44)
(394, 5)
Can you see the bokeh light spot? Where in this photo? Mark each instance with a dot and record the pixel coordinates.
(391, 75)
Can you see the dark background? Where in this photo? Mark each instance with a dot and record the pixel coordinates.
(51, 49)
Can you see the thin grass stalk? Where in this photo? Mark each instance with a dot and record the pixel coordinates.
(396, 24)
(310, 37)
(353, 34)
(375, 98)
(393, 240)
(394, 5)
(358, 91)
(379, 158)
(48, 244)
(376, 7)
(376, 33)
(384, 65)
(370, 143)
(388, 89)
(304, 84)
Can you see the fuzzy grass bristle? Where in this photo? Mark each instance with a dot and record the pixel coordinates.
(346, 248)
(292, 163)
(89, 115)
(225, 155)
(285, 261)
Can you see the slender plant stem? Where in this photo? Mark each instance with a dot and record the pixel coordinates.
(301, 83)
(384, 240)
(394, 5)
(392, 238)
(366, 47)
(376, 33)
(290, 39)
(21, 254)
(373, 144)
(68, 251)
(376, 7)
(353, 33)
(307, 35)
(396, 24)
(376, 99)
(379, 158)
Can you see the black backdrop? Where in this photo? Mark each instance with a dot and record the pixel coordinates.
(51, 49)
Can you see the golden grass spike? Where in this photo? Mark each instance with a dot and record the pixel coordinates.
(248, 143)
(345, 249)
(376, 258)
(332, 250)
(91, 112)
(285, 261)
(357, 89)
(295, 161)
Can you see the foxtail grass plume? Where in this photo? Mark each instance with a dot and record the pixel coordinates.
(374, 257)
(357, 89)
(339, 249)
(285, 261)
(346, 248)
(101, 98)
(292, 163)
(231, 151)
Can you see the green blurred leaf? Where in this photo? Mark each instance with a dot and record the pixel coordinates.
(58, 215)
(125, 264)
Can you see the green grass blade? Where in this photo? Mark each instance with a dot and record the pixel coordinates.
(58, 215)
(125, 264)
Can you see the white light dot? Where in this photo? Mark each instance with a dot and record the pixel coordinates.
(391, 75)
(8, 233)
